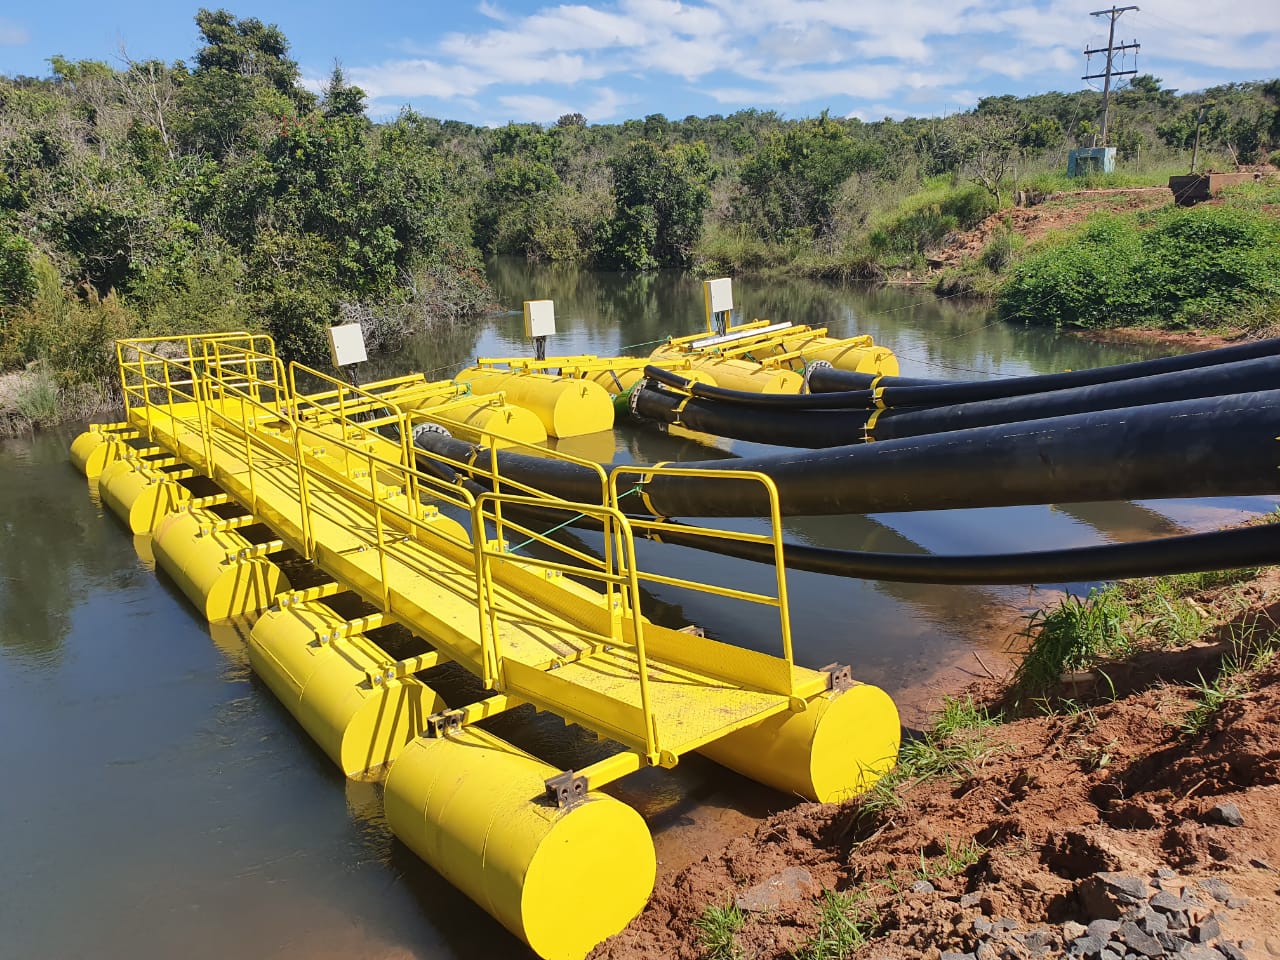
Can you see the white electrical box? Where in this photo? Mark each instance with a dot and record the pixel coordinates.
(539, 318)
(719, 295)
(346, 345)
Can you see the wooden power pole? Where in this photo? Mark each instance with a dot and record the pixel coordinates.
(1111, 50)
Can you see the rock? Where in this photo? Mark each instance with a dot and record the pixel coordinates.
(982, 926)
(1164, 873)
(923, 886)
(1237, 903)
(1004, 923)
(1108, 895)
(1154, 923)
(1231, 951)
(1206, 930)
(793, 883)
(1216, 888)
(1104, 929)
(970, 900)
(1039, 942)
(1227, 814)
(1073, 931)
(1087, 947)
(1194, 952)
(1138, 941)
(1272, 945)
(1109, 953)
(1166, 902)
(953, 955)
(1260, 863)
(1173, 943)
(986, 951)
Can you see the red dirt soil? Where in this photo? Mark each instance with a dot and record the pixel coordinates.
(1118, 786)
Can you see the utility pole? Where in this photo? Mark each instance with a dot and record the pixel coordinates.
(1110, 71)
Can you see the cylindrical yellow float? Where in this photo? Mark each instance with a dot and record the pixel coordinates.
(836, 749)
(485, 421)
(864, 357)
(207, 566)
(338, 689)
(566, 407)
(620, 381)
(140, 496)
(729, 372)
(93, 450)
(475, 809)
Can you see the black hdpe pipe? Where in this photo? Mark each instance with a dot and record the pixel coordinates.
(1192, 553)
(1215, 446)
(786, 427)
(843, 390)
(901, 391)
(830, 428)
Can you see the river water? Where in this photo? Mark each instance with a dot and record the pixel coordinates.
(159, 802)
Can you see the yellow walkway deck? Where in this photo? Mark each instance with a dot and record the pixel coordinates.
(554, 643)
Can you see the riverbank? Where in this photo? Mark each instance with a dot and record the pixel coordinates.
(1131, 800)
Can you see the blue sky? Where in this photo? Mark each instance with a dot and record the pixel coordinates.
(493, 61)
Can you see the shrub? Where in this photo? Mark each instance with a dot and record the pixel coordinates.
(1082, 280)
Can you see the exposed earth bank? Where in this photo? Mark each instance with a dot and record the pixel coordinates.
(1133, 815)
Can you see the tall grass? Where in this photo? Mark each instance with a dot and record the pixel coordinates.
(1072, 636)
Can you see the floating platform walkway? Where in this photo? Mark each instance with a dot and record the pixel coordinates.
(244, 479)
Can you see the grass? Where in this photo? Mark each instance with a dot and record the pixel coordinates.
(37, 398)
(847, 923)
(1075, 635)
(718, 930)
(1250, 655)
(952, 862)
(1211, 696)
(952, 747)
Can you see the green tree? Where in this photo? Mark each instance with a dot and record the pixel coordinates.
(661, 194)
(791, 185)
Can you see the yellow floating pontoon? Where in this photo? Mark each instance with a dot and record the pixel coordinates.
(237, 471)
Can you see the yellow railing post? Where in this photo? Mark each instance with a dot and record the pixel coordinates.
(376, 499)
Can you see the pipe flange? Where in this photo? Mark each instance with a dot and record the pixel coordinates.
(425, 428)
(634, 396)
(808, 369)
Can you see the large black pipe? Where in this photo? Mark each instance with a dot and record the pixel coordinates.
(1216, 446)
(781, 427)
(843, 390)
(830, 428)
(1192, 553)
(1219, 380)
(904, 392)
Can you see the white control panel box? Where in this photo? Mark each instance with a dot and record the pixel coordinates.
(539, 318)
(719, 295)
(346, 345)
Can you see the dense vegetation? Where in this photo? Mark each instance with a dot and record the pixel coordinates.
(1213, 266)
(220, 193)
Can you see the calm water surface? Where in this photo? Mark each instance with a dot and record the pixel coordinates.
(159, 802)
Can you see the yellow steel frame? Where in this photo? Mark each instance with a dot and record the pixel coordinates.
(232, 406)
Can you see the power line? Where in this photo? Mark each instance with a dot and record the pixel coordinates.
(1110, 71)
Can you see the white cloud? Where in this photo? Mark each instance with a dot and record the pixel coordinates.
(13, 34)
(492, 11)
(857, 57)
(541, 109)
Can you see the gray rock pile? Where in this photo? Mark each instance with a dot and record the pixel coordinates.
(1126, 917)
